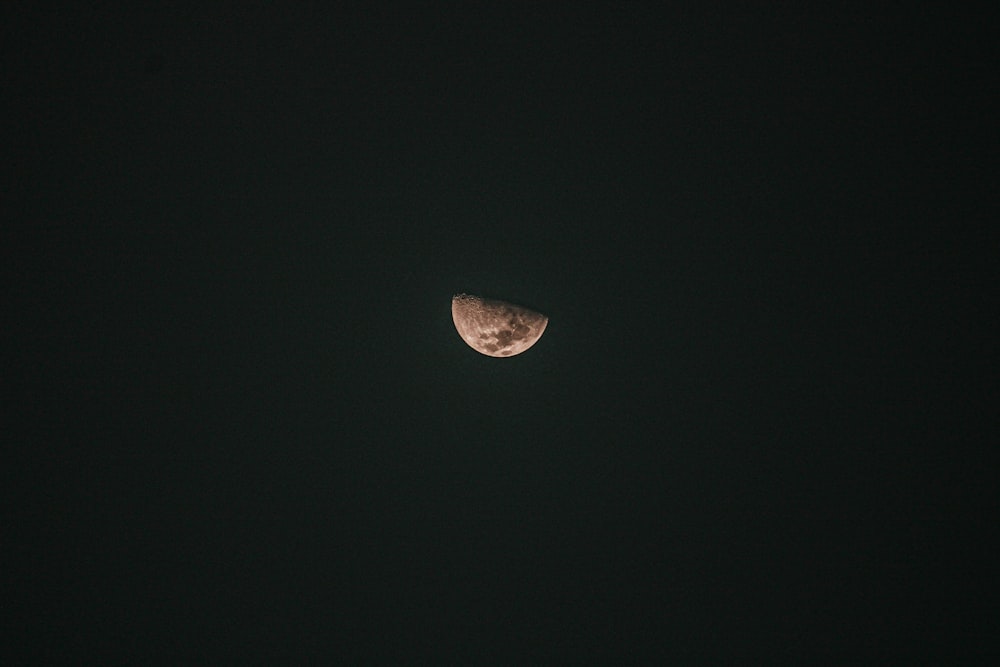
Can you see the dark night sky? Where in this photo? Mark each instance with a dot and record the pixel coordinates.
(758, 428)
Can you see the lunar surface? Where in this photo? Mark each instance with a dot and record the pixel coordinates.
(496, 328)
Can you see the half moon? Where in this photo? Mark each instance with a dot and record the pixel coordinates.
(496, 328)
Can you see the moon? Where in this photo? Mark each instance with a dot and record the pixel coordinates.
(496, 328)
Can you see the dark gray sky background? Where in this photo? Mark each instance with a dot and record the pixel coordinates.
(757, 429)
